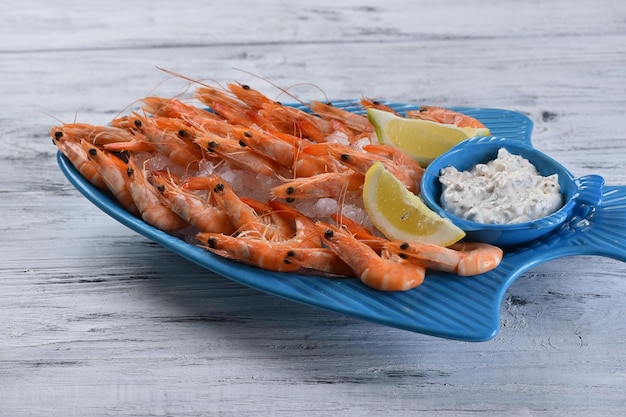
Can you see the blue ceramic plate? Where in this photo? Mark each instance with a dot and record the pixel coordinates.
(445, 305)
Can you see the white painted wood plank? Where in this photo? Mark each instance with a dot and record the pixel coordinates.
(96, 320)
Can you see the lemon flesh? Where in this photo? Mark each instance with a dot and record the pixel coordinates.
(421, 139)
(401, 215)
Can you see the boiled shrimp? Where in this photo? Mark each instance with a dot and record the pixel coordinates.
(445, 116)
(328, 184)
(325, 260)
(70, 147)
(212, 96)
(479, 257)
(114, 174)
(385, 272)
(265, 213)
(355, 122)
(261, 253)
(463, 258)
(296, 122)
(200, 211)
(225, 105)
(162, 164)
(149, 202)
(237, 154)
(243, 216)
(97, 135)
(170, 137)
(267, 254)
(199, 119)
(321, 260)
(281, 148)
(368, 103)
(360, 232)
(252, 98)
(173, 108)
(403, 167)
(305, 232)
(410, 175)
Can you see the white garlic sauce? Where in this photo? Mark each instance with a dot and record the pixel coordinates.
(505, 190)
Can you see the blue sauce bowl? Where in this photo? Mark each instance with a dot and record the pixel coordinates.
(576, 192)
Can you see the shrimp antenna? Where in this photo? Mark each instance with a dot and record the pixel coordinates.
(341, 203)
(129, 105)
(125, 108)
(191, 80)
(285, 90)
(56, 118)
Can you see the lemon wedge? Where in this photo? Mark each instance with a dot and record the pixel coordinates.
(401, 215)
(421, 139)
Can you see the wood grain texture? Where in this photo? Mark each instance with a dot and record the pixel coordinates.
(97, 320)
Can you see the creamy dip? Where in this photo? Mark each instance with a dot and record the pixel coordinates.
(505, 190)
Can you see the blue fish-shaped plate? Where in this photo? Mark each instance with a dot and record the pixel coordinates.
(445, 305)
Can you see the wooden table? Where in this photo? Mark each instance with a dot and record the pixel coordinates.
(97, 320)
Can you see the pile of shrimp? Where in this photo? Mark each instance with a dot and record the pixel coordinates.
(275, 186)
